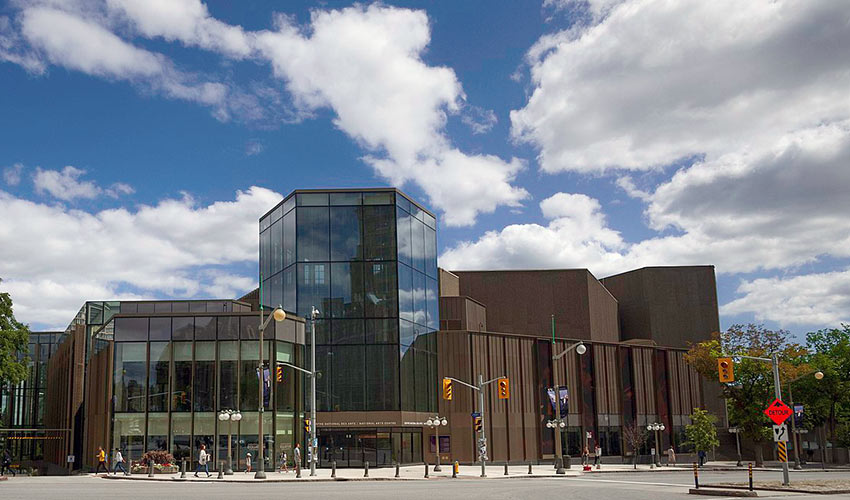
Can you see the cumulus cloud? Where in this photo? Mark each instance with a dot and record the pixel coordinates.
(814, 299)
(64, 184)
(654, 82)
(54, 258)
(479, 120)
(12, 175)
(119, 188)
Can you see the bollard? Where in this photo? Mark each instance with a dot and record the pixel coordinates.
(183, 470)
(396, 469)
(529, 468)
(220, 470)
(366, 469)
(455, 468)
(426, 470)
(750, 467)
(696, 476)
(567, 460)
(333, 468)
(129, 470)
(297, 470)
(506, 468)
(150, 469)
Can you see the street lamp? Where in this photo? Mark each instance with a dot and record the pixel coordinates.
(559, 423)
(278, 315)
(656, 427)
(229, 416)
(794, 434)
(436, 422)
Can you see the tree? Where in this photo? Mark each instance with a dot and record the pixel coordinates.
(635, 436)
(701, 433)
(753, 387)
(13, 344)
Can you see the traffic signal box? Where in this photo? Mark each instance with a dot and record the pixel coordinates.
(476, 423)
(504, 388)
(725, 370)
(307, 425)
(279, 374)
(447, 389)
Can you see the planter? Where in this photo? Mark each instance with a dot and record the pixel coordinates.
(157, 469)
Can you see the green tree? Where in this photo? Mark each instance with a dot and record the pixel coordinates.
(753, 388)
(827, 401)
(701, 433)
(13, 344)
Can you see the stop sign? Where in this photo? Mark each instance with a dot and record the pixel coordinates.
(778, 411)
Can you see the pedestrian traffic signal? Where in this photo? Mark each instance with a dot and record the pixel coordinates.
(279, 374)
(307, 425)
(504, 388)
(477, 423)
(725, 370)
(447, 389)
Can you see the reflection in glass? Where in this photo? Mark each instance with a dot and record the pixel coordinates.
(408, 378)
(289, 289)
(160, 329)
(430, 252)
(380, 294)
(405, 250)
(205, 328)
(378, 233)
(313, 287)
(157, 431)
(288, 239)
(228, 354)
(417, 244)
(183, 328)
(405, 292)
(382, 331)
(348, 378)
(204, 432)
(311, 239)
(130, 376)
(276, 248)
(346, 230)
(131, 329)
(182, 391)
(381, 378)
(346, 299)
(128, 434)
(265, 252)
(158, 392)
(419, 304)
(228, 327)
(204, 384)
(347, 331)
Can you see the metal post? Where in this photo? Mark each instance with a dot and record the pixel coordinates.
(396, 469)
(529, 468)
(366, 469)
(696, 476)
(506, 468)
(738, 444)
(261, 469)
(750, 467)
(786, 480)
(220, 469)
(150, 469)
(559, 452)
(314, 313)
(482, 440)
(437, 467)
(426, 470)
(229, 470)
(794, 437)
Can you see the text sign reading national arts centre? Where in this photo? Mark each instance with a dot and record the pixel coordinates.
(778, 411)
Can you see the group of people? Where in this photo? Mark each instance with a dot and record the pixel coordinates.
(117, 461)
(597, 456)
(204, 460)
(6, 463)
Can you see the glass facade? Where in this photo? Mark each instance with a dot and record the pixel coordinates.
(173, 374)
(368, 261)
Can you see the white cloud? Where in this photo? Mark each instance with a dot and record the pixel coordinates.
(64, 184)
(119, 188)
(12, 175)
(814, 299)
(655, 81)
(253, 147)
(54, 258)
(478, 119)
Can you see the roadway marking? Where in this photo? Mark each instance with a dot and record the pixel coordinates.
(629, 482)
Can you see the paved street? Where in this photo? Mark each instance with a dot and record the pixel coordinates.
(625, 486)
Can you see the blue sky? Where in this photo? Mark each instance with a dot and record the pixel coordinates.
(603, 134)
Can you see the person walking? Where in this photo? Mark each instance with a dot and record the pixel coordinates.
(203, 461)
(585, 455)
(247, 463)
(701, 455)
(597, 456)
(283, 465)
(101, 461)
(671, 456)
(297, 456)
(119, 462)
(7, 464)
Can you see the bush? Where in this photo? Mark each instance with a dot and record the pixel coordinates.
(158, 457)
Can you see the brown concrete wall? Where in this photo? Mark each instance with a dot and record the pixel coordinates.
(97, 408)
(449, 283)
(462, 313)
(603, 307)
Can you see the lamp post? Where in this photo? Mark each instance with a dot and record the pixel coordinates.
(278, 315)
(794, 435)
(229, 416)
(560, 420)
(436, 422)
(657, 428)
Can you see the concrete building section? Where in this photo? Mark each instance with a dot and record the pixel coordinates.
(671, 306)
(523, 302)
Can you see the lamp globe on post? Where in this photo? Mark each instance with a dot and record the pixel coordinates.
(819, 375)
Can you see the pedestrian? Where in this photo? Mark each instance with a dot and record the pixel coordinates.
(203, 461)
(247, 463)
(585, 455)
(597, 455)
(101, 461)
(119, 462)
(6, 464)
(297, 456)
(671, 456)
(283, 465)
(701, 455)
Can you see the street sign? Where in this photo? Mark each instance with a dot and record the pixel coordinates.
(475, 414)
(780, 433)
(778, 411)
(798, 415)
(782, 451)
(71, 459)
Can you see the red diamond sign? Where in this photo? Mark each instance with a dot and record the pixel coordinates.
(778, 411)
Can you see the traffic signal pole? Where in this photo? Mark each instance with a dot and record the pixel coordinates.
(482, 436)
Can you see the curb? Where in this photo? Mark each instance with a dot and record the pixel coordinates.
(792, 490)
(722, 493)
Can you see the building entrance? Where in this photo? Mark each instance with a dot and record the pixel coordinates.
(381, 447)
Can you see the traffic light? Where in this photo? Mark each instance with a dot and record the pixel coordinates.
(279, 374)
(447, 389)
(307, 425)
(725, 370)
(477, 423)
(504, 388)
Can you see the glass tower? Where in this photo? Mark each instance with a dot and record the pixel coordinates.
(367, 260)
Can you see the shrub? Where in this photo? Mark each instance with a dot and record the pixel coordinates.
(158, 457)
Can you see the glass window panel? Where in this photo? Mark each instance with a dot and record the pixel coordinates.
(146, 307)
(266, 293)
(276, 287)
(416, 440)
(407, 369)
(430, 252)
(162, 307)
(285, 389)
(289, 289)
(312, 234)
(381, 378)
(348, 378)
(346, 230)
(276, 213)
(130, 376)
(419, 303)
(408, 333)
(181, 436)
(402, 202)
(95, 313)
(204, 434)
(179, 307)
(182, 391)
(265, 222)
(131, 329)
(311, 199)
(433, 299)
(228, 327)
(380, 198)
(110, 309)
(249, 327)
(346, 199)
(158, 391)
(405, 292)
(382, 331)
(405, 250)
(325, 361)
(249, 381)
(347, 331)
(183, 328)
(379, 233)
(276, 247)
(323, 332)
(157, 431)
(265, 253)
(128, 435)
(228, 355)
(346, 298)
(289, 239)
(313, 287)
(380, 290)
(288, 204)
(417, 244)
(204, 328)
(204, 382)
(129, 307)
(430, 221)
(160, 329)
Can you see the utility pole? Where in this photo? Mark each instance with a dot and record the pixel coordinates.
(482, 436)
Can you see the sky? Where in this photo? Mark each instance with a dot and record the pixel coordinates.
(140, 140)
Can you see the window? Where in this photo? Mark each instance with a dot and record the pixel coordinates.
(381, 331)
(228, 355)
(346, 243)
(205, 328)
(182, 392)
(348, 378)
(346, 299)
(405, 250)
(312, 234)
(160, 329)
(347, 331)
(346, 199)
(204, 383)
(288, 239)
(183, 328)
(130, 376)
(131, 329)
(430, 252)
(265, 252)
(228, 327)
(381, 377)
(311, 199)
(158, 390)
(313, 288)
(380, 292)
(419, 303)
(249, 327)
(276, 248)
(378, 233)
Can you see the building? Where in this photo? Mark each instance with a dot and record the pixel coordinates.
(145, 375)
